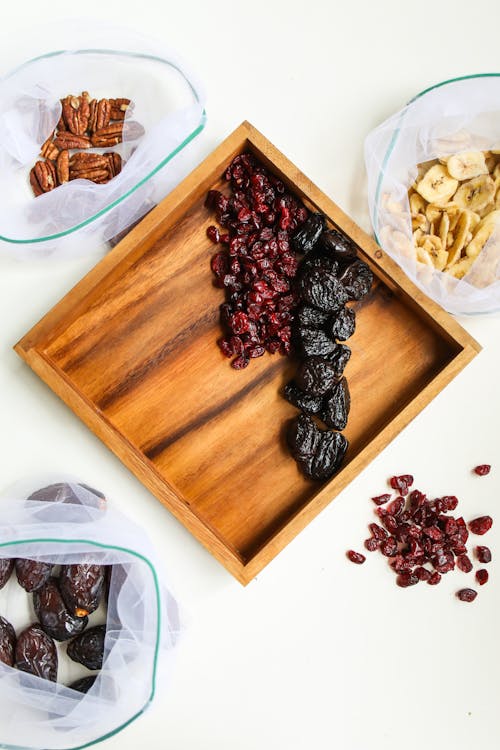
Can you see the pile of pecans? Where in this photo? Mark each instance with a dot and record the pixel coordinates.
(85, 123)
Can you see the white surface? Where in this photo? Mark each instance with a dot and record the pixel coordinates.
(315, 653)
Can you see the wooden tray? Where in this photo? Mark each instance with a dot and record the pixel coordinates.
(132, 351)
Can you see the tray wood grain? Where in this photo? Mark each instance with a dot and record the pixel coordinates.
(131, 350)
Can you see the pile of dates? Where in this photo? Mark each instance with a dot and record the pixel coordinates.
(62, 604)
(276, 302)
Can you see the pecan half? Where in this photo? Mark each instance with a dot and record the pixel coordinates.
(111, 135)
(45, 173)
(65, 139)
(48, 150)
(86, 160)
(76, 112)
(35, 185)
(119, 108)
(103, 114)
(115, 163)
(96, 175)
(61, 125)
(62, 166)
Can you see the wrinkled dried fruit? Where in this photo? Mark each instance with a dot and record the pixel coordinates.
(6, 568)
(316, 376)
(311, 317)
(401, 483)
(381, 499)
(88, 648)
(371, 544)
(303, 437)
(482, 470)
(336, 406)
(339, 358)
(357, 279)
(482, 576)
(464, 563)
(406, 579)
(483, 554)
(322, 289)
(466, 595)
(343, 324)
(481, 525)
(307, 236)
(355, 557)
(81, 587)
(32, 574)
(36, 653)
(303, 401)
(84, 684)
(338, 245)
(7, 642)
(52, 614)
(315, 343)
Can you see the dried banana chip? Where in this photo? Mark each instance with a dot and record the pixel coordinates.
(417, 204)
(433, 247)
(460, 269)
(475, 194)
(484, 230)
(436, 186)
(466, 165)
(444, 228)
(424, 257)
(420, 222)
(463, 228)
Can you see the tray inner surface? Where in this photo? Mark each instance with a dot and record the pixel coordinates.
(144, 353)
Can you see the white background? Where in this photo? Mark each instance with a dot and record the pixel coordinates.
(316, 652)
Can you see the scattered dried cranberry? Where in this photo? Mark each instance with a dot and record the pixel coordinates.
(401, 483)
(213, 234)
(381, 499)
(355, 557)
(372, 544)
(464, 563)
(482, 576)
(483, 554)
(482, 469)
(481, 525)
(466, 595)
(406, 579)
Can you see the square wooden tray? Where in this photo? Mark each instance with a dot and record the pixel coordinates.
(132, 351)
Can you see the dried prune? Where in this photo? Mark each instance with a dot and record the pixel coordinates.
(304, 401)
(338, 245)
(303, 437)
(357, 279)
(339, 357)
(306, 237)
(316, 376)
(313, 342)
(32, 574)
(343, 324)
(88, 648)
(36, 653)
(7, 642)
(6, 567)
(84, 684)
(322, 289)
(327, 457)
(336, 406)
(311, 317)
(81, 587)
(62, 492)
(313, 261)
(53, 615)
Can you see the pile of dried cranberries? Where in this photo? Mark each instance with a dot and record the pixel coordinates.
(421, 537)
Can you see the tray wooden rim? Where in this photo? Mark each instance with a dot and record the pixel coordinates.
(131, 247)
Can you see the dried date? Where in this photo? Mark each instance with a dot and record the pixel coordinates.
(36, 653)
(336, 406)
(6, 568)
(88, 648)
(316, 376)
(53, 615)
(7, 642)
(307, 236)
(31, 574)
(357, 279)
(81, 587)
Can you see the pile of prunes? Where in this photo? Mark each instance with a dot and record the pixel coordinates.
(330, 275)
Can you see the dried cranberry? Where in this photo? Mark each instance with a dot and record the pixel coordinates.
(483, 554)
(481, 525)
(378, 532)
(381, 499)
(434, 579)
(396, 506)
(482, 469)
(389, 547)
(401, 483)
(213, 234)
(464, 563)
(406, 579)
(450, 501)
(466, 595)
(355, 557)
(422, 573)
(482, 576)
(372, 544)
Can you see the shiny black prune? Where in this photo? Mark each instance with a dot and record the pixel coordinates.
(337, 245)
(339, 358)
(31, 574)
(328, 456)
(81, 586)
(306, 237)
(316, 376)
(357, 279)
(342, 324)
(53, 615)
(88, 648)
(6, 568)
(303, 401)
(322, 289)
(84, 684)
(311, 317)
(303, 437)
(7, 642)
(336, 406)
(313, 342)
(62, 492)
(317, 262)
(36, 653)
